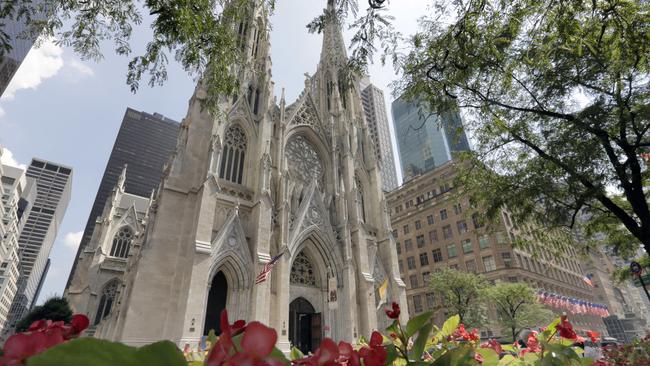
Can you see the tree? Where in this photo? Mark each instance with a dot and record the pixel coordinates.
(517, 307)
(462, 293)
(556, 95)
(202, 35)
(55, 309)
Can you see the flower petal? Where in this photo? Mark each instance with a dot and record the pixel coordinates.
(259, 339)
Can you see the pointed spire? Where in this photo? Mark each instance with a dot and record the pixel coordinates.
(333, 49)
(122, 178)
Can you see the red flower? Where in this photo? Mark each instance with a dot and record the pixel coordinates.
(478, 357)
(532, 343)
(460, 334)
(394, 313)
(41, 335)
(231, 330)
(492, 343)
(329, 354)
(593, 335)
(566, 329)
(256, 345)
(375, 354)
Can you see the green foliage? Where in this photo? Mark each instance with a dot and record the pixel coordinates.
(517, 307)
(96, 352)
(622, 274)
(55, 309)
(557, 99)
(463, 294)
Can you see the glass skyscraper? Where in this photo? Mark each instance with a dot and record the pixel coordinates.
(53, 189)
(425, 141)
(377, 119)
(144, 143)
(20, 46)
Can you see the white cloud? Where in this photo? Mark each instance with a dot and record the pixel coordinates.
(8, 159)
(72, 240)
(81, 68)
(40, 63)
(2, 112)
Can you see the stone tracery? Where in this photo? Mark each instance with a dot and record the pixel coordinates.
(304, 162)
(302, 271)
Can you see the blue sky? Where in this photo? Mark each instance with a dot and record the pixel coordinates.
(68, 111)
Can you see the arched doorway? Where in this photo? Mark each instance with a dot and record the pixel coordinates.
(216, 303)
(304, 326)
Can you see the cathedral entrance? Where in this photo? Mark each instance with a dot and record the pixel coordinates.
(304, 326)
(216, 303)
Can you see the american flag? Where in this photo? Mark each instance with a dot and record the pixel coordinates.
(266, 271)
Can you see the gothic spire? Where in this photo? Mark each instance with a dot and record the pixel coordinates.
(333, 51)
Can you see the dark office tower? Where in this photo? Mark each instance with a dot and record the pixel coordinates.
(426, 141)
(144, 143)
(53, 188)
(20, 46)
(374, 108)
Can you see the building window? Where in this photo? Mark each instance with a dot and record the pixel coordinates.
(395, 233)
(232, 160)
(417, 303)
(454, 267)
(411, 262)
(446, 232)
(430, 219)
(406, 229)
(477, 221)
(426, 276)
(414, 281)
(443, 214)
(106, 301)
(408, 245)
(484, 241)
(451, 251)
(418, 225)
(462, 226)
(467, 246)
(420, 241)
(501, 238)
(458, 209)
(488, 263)
(431, 300)
(302, 271)
(433, 236)
(121, 243)
(513, 279)
(471, 266)
(437, 255)
(424, 259)
(399, 248)
(507, 259)
(401, 265)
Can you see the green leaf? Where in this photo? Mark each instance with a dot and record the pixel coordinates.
(456, 357)
(279, 355)
(490, 357)
(420, 342)
(416, 323)
(507, 360)
(450, 325)
(296, 354)
(97, 352)
(391, 350)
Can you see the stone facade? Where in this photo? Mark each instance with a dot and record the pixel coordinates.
(262, 179)
(436, 227)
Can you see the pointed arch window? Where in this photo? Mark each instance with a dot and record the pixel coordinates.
(106, 301)
(122, 243)
(232, 160)
(302, 271)
(360, 200)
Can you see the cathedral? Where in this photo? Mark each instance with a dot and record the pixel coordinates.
(265, 179)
